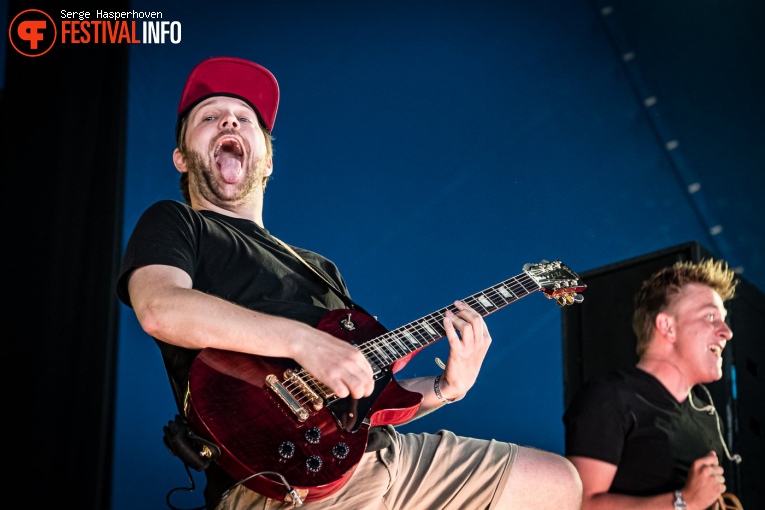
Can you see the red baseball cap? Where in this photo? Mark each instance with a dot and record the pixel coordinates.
(236, 77)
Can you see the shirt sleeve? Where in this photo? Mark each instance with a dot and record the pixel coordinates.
(596, 423)
(166, 233)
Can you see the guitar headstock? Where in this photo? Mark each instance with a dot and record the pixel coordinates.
(557, 281)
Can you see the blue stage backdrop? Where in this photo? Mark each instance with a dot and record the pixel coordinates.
(432, 148)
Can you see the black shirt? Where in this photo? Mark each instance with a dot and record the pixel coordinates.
(236, 260)
(629, 419)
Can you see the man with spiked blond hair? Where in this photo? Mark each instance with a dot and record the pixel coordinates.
(649, 437)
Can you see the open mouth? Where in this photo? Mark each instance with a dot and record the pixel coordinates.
(716, 350)
(229, 145)
(228, 156)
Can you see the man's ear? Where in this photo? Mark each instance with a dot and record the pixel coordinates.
(179, 161)
(269, 166)
(665, 324)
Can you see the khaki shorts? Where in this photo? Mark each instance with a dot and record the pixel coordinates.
(416, 472)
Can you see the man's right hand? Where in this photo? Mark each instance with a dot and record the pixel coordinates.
(339, 365)
(705, 482)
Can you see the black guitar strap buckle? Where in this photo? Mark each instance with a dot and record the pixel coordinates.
(193, 450)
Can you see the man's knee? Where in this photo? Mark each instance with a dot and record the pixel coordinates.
(574, 481)
(545, 479)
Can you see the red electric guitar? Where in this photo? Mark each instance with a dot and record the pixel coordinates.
(269, 415)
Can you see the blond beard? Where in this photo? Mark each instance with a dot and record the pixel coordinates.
(203, 182)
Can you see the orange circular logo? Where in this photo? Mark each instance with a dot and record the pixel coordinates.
(32, 33)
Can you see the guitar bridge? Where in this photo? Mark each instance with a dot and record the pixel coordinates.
(299, 411)
(294, 377)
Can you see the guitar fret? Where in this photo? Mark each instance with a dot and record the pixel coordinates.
(413, 342)
(383, 356)
(471, 302)
(524, 286)
(485, 302)
(415, 334)
(401, 349)
(430, 330)
(375, 359)
(503, 295)
(425, 333)
(389, 352)
(504, 291)
(496, 298)
(491, 301)
(435, 326)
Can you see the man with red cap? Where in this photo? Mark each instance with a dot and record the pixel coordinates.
(226, 302)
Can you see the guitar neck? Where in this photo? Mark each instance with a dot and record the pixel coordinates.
(398, 343)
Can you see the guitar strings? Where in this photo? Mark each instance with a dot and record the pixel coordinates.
(434, 321)
(394, 345)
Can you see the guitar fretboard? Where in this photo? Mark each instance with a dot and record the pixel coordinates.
(388, 348)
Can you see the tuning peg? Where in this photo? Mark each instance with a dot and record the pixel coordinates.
(569, 299)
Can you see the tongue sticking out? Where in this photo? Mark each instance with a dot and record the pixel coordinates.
(228, 156)
(230, 166)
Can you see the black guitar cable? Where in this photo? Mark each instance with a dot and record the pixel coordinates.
(186, 489)
(198, 453)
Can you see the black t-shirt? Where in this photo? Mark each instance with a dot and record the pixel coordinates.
(629, 419)
(236, 260)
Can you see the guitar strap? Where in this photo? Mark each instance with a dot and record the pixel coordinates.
(377, 441)
(347, 300)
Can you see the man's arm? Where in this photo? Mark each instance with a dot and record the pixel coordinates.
(702, 488)
(597, 476)
(169, 310)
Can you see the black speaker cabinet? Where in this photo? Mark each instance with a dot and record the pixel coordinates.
(598, 337)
